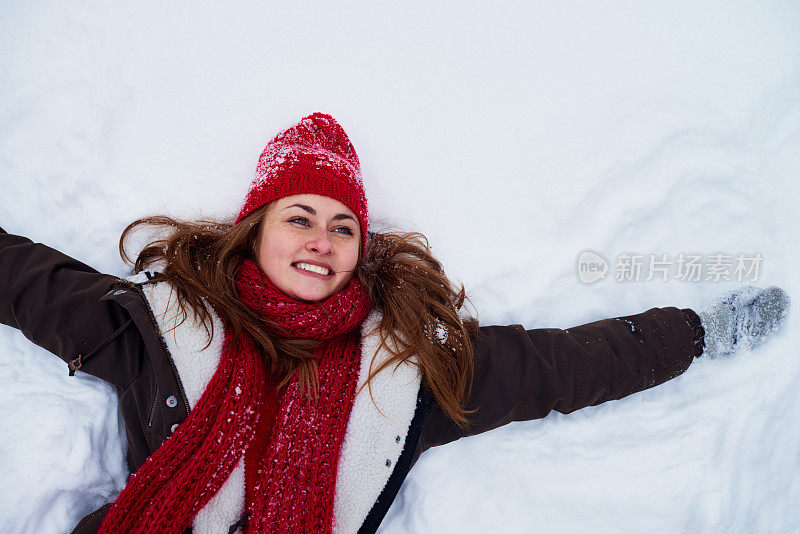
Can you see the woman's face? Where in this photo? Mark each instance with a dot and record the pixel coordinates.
(308, 246)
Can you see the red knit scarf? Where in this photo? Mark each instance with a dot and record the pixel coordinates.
(291, 461)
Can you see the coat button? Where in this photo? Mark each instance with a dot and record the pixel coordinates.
(172, 401)
(173, 428)
(397, 439)
(388, 463)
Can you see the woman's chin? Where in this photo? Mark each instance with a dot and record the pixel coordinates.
(310, 289)
(309, 294)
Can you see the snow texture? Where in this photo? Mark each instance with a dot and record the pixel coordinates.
(514, 135)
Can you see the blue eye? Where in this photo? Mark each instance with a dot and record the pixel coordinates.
(299, 220)
(344, 230)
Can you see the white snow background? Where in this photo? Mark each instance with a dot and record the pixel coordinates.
(514, 135)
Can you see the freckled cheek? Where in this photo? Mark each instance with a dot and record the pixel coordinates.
(278, 250)
(286, 241)
(348, 260)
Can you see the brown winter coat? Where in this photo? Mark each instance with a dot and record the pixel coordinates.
(106, 329)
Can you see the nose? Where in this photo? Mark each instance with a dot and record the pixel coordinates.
(320, 242)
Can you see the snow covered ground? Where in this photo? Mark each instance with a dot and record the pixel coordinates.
(514, 135)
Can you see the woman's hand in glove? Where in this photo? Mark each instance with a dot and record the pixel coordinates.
(743, 319)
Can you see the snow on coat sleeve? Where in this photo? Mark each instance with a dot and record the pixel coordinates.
(56, 302)
(524, 374)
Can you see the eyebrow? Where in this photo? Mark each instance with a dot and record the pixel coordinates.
(312, 211)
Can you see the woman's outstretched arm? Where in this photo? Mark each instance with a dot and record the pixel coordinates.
(524, 374)
(58, 303)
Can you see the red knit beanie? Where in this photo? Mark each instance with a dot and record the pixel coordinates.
(314, 156)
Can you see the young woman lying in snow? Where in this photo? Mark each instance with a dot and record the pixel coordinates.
(283, 373)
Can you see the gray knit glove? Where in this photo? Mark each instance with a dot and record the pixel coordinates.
(743, 319)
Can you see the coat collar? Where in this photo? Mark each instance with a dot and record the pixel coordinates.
(376, 430)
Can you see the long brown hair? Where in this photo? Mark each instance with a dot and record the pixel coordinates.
(419, 304)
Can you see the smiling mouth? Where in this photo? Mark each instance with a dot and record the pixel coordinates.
(318, 269)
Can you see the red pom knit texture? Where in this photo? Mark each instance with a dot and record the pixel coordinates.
(314, 156)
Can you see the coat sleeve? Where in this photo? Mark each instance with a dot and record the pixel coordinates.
(524, 374)
(58, 303)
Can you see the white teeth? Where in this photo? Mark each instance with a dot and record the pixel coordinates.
(313, 268)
